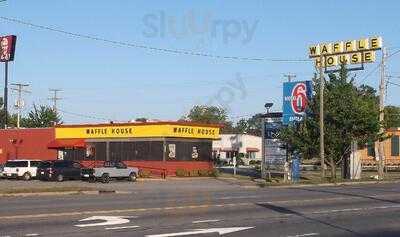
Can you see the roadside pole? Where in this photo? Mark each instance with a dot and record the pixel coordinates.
(234, 165)
(381, 150)
(5, 94)
(321, 119)
(263, 175)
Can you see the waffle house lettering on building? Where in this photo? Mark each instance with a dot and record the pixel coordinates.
(121, 131)
(96, 131)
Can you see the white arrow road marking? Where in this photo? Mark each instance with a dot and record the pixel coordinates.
(303, 235)
(123, 227)
(220, 231)
(107, 220)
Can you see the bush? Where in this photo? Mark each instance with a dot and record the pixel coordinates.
(194, 173)
(197, 173)
(214, 173)
(255, 162)
(204, 173)
(144, 174)
(181, 173)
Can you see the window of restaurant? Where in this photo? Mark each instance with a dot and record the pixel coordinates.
(189, 151)
(371, 149)
(136, 151)
(395, 144)
(73, 154)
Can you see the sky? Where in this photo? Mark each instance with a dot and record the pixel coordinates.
(107, 80)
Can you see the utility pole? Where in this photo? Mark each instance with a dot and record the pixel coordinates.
(55, 98)
(289, 76)
(321, 118)
(381, 151)
(19, 104)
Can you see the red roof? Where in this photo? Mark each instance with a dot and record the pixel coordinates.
(67, 143)
(252, 149)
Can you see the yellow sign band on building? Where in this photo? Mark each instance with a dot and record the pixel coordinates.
(137, 131)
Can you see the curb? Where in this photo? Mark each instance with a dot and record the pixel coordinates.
(331, 184)
(189, 178)
(97, 192)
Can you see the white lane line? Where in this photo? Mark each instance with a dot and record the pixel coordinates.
(303, 235)
(237, 197)
(33, 234)
(123, 227)
(356, 209)
(205, 221)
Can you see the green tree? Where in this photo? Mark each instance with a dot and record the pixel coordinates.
(255, 125)
(250, 126)
(210, 115)
(392, 116)
(351, 114)
(2, 114)
(207, 114)
(142, 119)
(12, 119)
(242, 126)
(42, 116)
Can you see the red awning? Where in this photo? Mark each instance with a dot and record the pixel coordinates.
(252, 149)
(67, 143)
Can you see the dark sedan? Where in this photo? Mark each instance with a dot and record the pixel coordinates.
(59, 170)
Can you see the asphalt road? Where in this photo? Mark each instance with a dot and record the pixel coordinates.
(208, 208)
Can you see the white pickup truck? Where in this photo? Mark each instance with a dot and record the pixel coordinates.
(110, 170)
(25, 169)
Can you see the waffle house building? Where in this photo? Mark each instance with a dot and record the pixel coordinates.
(155, 146)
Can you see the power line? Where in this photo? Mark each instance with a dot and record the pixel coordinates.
(370, 73)
(85, 115)
(132, 45)
(392, 54)
(393, 83)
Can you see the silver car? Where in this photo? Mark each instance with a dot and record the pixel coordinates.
(110, 170)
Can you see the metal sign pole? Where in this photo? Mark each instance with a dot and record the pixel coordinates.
(5, 94)
(321, 121)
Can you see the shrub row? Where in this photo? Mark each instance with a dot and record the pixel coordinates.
(196, 173)
(255, 162)
(144, 174)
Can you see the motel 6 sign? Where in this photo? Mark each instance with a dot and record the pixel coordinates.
(296, 96)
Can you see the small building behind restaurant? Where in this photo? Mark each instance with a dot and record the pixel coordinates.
(244, 146)
(391, 150)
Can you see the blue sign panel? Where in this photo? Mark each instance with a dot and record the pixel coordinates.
(274, 150)
(296, 169)
(296, 96)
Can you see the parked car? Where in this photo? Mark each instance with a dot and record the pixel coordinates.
(59, 170)
(1, 171)
(24, 169)
(110, 170)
